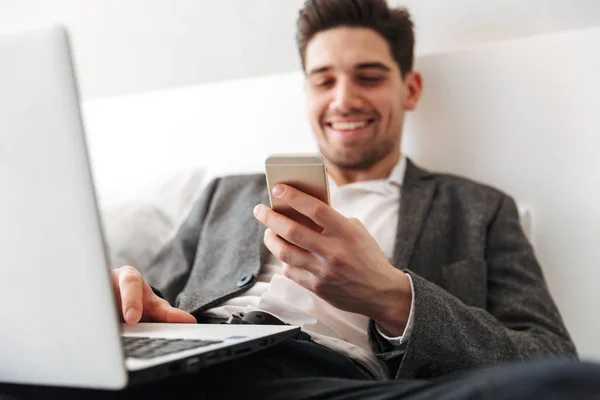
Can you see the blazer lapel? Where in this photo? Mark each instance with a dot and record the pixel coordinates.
(417, 193)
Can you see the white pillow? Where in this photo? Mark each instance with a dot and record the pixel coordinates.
(135, 229)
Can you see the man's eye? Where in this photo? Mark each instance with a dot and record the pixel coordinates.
(324, 83)
(370, 79)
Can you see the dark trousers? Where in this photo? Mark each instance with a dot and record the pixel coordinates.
(305, 370)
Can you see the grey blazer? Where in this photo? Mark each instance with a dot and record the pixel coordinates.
(480, 295)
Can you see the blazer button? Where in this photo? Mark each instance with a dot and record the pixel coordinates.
(246, 280)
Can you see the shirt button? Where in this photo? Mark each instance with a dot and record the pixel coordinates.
(246, 280)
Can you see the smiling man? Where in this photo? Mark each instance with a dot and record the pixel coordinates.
(421, 285)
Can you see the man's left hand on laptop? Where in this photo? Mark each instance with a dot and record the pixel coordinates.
(138, 302)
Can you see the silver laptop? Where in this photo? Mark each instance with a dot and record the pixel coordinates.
(59, 323)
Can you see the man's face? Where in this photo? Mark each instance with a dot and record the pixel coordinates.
(356, 96)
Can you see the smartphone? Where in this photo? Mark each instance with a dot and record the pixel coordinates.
(305, 172)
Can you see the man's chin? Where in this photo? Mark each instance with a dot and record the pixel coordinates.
(360, 157)
(351, 161)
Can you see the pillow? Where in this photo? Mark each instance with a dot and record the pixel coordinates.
(135, 229)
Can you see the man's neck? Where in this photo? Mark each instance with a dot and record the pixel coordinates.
(380, 170)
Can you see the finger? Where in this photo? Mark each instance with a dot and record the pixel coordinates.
(178, 316)
(288, 253)
(158, 309)
(300, 276)
(114, 277)
(161, 311)
(357, 223)
(290, 230)
(131, 291)
(322, 214)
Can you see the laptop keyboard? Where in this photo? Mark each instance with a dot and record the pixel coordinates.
(147, 347)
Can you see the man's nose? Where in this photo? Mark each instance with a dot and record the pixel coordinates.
(346, 98)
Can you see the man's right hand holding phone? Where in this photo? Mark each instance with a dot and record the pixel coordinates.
(138, 302)
(343, 264)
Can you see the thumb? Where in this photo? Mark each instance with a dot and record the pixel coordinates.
(162, 311)
(158, 309)
(176, 315)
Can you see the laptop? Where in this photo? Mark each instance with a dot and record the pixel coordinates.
(60, 324)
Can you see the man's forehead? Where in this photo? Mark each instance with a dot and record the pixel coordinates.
(347, 49)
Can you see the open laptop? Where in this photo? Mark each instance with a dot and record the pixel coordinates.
(59, 320)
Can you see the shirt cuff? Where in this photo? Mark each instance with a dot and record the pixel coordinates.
(397, 341)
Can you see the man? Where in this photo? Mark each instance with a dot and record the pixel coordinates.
(416, 276)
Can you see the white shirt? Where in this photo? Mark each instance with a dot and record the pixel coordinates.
(376, 204)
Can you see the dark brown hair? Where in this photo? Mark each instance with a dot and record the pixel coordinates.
(394, 24)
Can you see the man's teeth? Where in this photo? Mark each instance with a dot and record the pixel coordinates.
(348, 126)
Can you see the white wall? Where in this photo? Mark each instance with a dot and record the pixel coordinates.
(127, 46)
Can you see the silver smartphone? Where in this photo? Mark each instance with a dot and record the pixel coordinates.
(305, 172)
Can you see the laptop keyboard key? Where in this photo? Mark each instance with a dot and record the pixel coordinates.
(148, 347)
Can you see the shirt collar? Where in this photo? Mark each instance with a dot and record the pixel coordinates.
(397, 175)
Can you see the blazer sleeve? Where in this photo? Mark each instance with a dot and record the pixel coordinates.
(520, 322)
(168, 273)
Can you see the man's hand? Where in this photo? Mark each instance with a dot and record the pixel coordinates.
(138, 302)
(343, 265)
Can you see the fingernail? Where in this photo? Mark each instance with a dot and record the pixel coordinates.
(257, 210)
(278, 190)
(130, 313)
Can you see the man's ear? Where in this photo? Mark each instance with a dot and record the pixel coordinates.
(413, 81)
